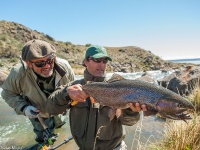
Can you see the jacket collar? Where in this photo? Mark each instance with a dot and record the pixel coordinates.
(89, 77)
(59, 69)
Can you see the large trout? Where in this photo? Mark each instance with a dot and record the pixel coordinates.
(119, 92)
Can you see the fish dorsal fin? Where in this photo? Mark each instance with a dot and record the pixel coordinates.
(115, 77)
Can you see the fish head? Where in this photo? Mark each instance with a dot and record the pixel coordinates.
(176, 109)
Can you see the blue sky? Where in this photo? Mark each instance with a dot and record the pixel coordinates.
(167, 28)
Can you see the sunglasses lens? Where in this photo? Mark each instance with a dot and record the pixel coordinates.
(50, 61)
(99, 60)
(105, 61)
(43, 63)
(40, 64)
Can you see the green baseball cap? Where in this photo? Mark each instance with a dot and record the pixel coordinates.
(97, 51)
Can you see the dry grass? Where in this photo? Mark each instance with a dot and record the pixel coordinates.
(194, 97)
(78, 71)
(184, 136)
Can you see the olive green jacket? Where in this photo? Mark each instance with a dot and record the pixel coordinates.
(90, 125)
(20, 87)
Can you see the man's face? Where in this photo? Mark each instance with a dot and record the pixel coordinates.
(96, 66)
(42, 66)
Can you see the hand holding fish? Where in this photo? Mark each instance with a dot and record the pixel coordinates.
(137, 107)
(76, 93)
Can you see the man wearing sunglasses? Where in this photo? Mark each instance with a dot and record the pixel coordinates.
(90, 125)
(29, 84)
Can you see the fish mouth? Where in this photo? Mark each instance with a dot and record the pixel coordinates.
(180, 116)
(184, 116)
(175, 110)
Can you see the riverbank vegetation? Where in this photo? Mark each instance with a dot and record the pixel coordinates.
(180, 135)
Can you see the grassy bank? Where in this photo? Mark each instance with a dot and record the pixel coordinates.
(180, 135)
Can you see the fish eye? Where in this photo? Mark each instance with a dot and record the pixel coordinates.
(179, 105)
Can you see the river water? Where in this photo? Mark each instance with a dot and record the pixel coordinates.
(194, 61)
(16, 130)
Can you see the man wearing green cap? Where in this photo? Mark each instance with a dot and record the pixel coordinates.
(29, 84)
(90, 125)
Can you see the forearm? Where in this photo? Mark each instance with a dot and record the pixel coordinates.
(58, 101)
(16, 101)
(128, 117)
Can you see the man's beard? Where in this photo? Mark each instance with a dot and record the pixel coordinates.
(45, 76)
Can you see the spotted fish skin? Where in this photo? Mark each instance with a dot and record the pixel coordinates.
(119, 92)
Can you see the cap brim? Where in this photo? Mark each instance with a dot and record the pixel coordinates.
(100, 55)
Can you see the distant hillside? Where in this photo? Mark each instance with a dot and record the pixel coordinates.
(125, 59)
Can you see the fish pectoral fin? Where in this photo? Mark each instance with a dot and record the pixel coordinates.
(150, 112)
(112, 113)
(74, 102)
(93, 100)
(118, 113)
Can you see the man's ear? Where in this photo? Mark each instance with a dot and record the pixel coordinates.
(29, 64)
(85, 62)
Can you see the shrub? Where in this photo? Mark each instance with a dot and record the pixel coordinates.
(1, 64)
(14, 60)
(68, 43)
(87, 45)
(49, 37)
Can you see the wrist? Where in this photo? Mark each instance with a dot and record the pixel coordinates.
(23, 108)
(67, 97)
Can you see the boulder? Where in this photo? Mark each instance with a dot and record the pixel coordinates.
(3, 77)
(182, 81)
(147, 78)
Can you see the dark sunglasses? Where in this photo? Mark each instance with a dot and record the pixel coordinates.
(41, 64)
(99, 60)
